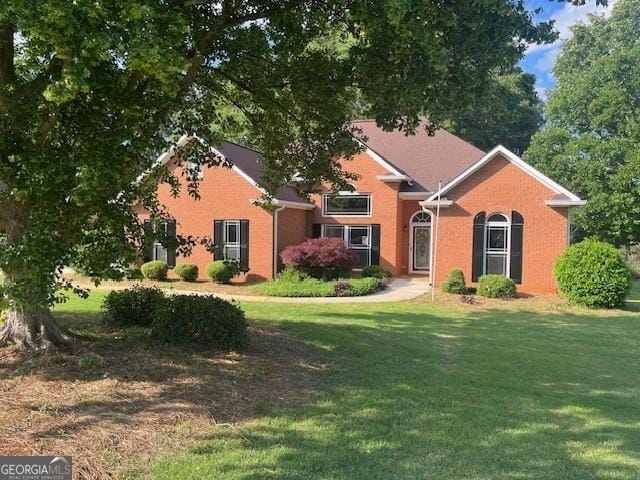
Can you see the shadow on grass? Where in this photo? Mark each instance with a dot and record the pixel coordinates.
(489, 394)
(117, 398)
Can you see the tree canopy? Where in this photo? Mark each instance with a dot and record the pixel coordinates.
(90, 92)
(508, 112)
(591, 138)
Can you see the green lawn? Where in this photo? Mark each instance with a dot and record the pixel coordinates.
(420, 391)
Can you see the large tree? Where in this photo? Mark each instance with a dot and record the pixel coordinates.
(591, 139)
(508, 112)
(91, 91)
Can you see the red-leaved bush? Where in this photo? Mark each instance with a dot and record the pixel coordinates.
(320, 257)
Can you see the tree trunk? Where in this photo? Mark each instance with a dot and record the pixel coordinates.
(33, 329)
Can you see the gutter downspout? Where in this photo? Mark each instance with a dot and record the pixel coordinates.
(275, 240)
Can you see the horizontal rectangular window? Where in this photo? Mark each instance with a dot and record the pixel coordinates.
(355, 237)
(348, 204)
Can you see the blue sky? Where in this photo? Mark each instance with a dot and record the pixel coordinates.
(540, 59)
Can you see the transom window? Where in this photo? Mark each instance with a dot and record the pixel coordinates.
(346, 203)
(231, 241)
(421, 217)
(496, 254)
(356, 237)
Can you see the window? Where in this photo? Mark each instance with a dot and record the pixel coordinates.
(346, 204)
(231, 242)
(496, 254)
(164, 231)
(356, 237)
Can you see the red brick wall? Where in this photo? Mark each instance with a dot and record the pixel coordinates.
(293, 227)
(384, 208)
(500, 187)
(225, 195)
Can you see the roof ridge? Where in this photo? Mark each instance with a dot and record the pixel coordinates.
(242, 146)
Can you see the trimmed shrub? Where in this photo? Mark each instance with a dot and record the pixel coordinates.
(496, 286)
(454, 282)
(376, 271)
(593, 273)
(313, 287)
(135, 306)
(325, 258)
(222, 271)
(187, 272)
(133, 272)
(290, 274)
(155, 270)
(202, 319)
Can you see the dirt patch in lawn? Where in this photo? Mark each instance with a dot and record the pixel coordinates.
(125, 400)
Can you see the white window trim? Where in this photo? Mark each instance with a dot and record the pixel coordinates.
(325, 197)
(505, 224)
(346, 238)
(157, 244)
(411, 241)
(225, 242)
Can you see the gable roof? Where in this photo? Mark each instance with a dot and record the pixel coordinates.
(561, 197)
(245, 162)
(426, 159)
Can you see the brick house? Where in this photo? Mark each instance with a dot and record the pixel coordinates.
(497, 213)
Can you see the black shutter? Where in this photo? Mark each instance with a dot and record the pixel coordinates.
(316, 230)
(147, 250)
(477, 267)
(375, 244)
(218, 239)
(517, 229)
(171, 242)
(244, 245)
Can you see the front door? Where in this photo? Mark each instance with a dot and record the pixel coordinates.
(421, 248)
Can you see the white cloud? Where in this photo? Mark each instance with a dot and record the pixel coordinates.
(566, 17)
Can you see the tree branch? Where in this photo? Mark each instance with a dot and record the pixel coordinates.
(7, 52)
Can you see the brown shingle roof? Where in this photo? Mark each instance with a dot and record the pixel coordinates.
(426, 159)
(248, 160)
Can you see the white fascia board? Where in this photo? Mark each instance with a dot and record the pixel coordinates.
(393, 178)
(290, 204)
(565, 203)
(414, 195)
(390, 168)
(513, 158)
(444, 202)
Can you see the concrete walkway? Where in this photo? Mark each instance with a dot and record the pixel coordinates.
(403, 288)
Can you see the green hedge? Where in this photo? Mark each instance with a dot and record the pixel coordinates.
(202, 319)
(187, 272)
(594, 274)
(496, 286)
(312, 287)
(222, 271)
(155, 270)
(376, 271)
(135, 306)
(455, 282)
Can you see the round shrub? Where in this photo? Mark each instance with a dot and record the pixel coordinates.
(133, 272)
(496, 286)
(454, 282)
(594, 274)
(187, 272)
(376, 271)
(325, 258)
(155, 270)
(291, 275)
(222, 271)
(135, 306)
(201, 319)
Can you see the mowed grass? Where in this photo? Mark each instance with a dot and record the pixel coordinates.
(420, 391)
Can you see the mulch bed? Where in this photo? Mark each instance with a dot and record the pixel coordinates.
(120, 404)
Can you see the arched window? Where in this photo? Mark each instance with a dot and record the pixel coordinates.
(496, 242)
(421, 217)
